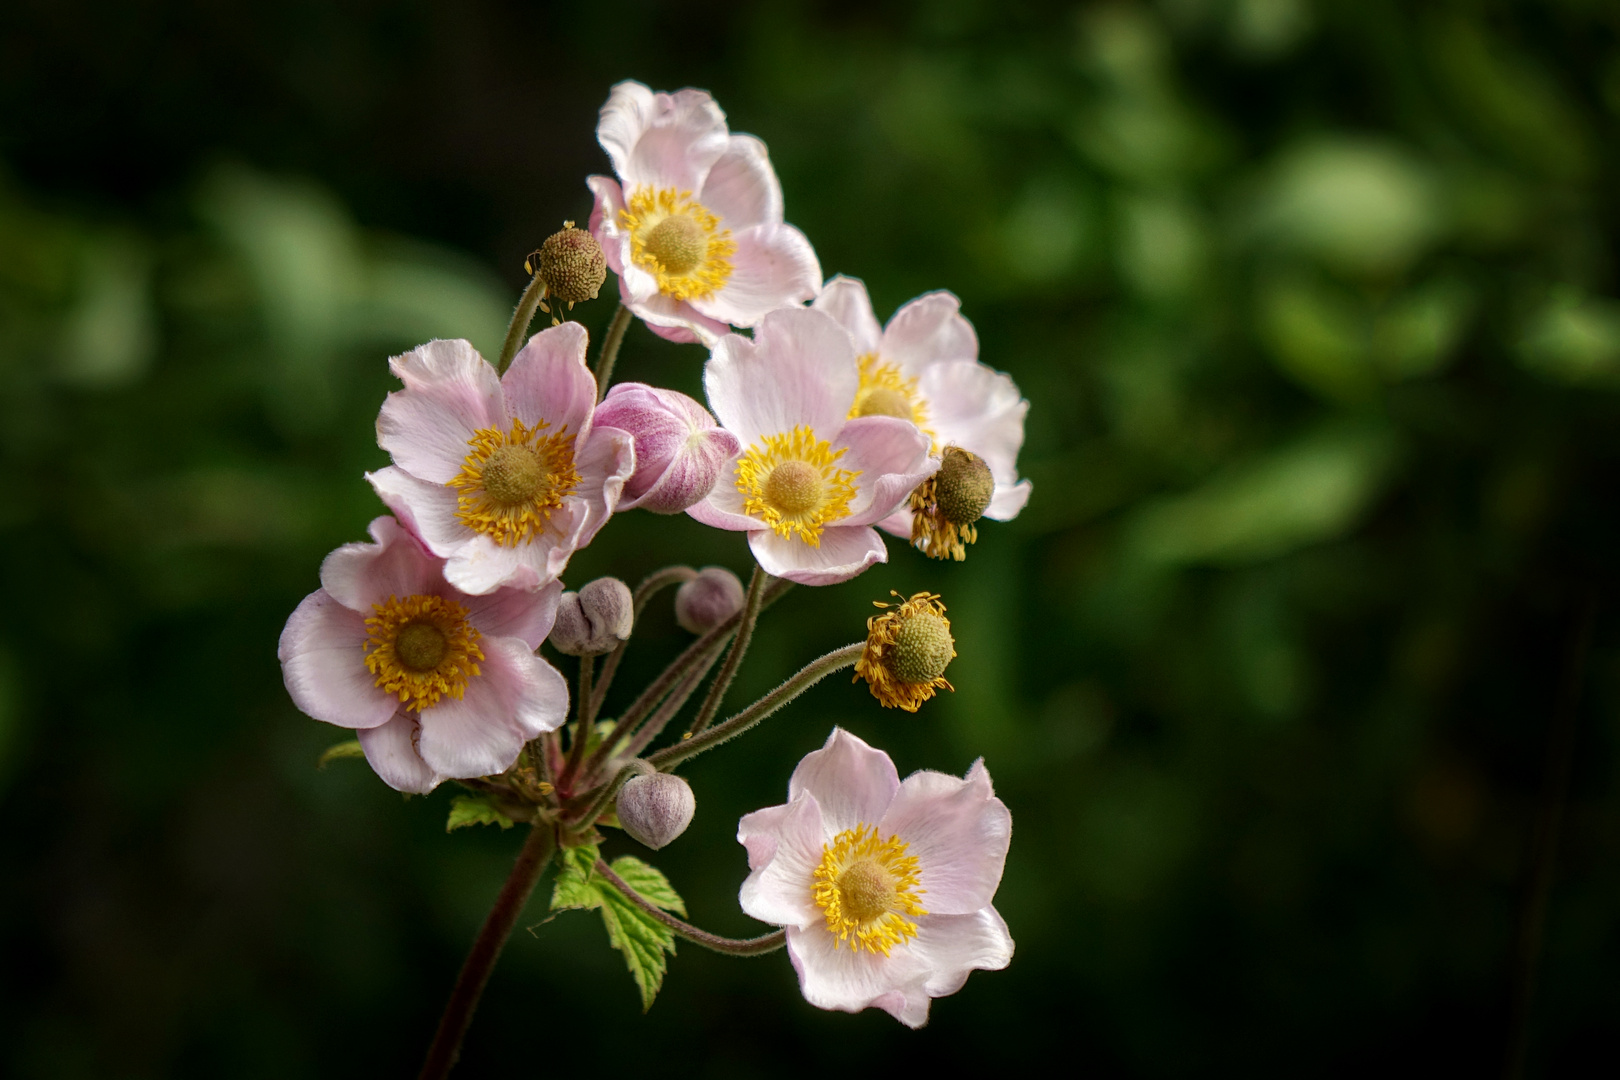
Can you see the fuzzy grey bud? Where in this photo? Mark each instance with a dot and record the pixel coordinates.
(657, 808)
(708, 600)
(594, 620)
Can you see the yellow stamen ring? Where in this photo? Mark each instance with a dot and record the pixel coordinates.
(791, 484)
(422, 648)
(866, 887)
(678, 241)
(510, 482)
(884, 391)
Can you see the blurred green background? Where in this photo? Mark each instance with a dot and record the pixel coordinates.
(1314, 301)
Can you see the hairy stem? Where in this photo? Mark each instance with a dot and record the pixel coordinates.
(745, 631)
(610, 350)
(458, 1012)
(521, 317)
(649, 587)
(582, 723)
(807, 676)
(672, 705)
(605, 793)
(686, 931)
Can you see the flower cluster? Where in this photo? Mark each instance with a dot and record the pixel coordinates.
(822, 427)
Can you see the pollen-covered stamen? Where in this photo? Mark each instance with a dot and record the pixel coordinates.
(907, 651)
(945, 506)
(790, 482)
(421, 649)
(678, 241)
(866, 887)
(884, 391)
(511, 482)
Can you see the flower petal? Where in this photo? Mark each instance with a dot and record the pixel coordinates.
(450, 392)
(361, 575)
(959, 832)
(671, 319)
(799, 369)
(843, 553)
(853, 782)
(948, 947)
(846, 299)
(548, 380)
(391, 751)
(979, 409)
(742, 188)
(784, 847)
(427, 509)
(898, 523)
(322, 654)
(662, 140)
(773, 267)
(836, 977)
(892, 458)
(927, 330)
(517, 697)
(518, 613)
(606, 459)
(1008, 501)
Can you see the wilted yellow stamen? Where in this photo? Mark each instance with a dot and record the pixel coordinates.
(884, 391)
(793, 486)
(945, 506)
(512, 481)
(866, 887)
(907, 651)
(678, 241)
(422, 648)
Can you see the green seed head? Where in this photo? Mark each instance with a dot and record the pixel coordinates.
(922, 648)
(963, 486)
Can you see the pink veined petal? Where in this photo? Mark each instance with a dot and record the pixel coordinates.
(517, 696)
(671, 319)
(842, 554)
(799, 370)
(846, 299)
(978, 409)
(927, 330)
(548, 380)
(891, 456)
(832, 976)
(698, 468)
(361, 575)
(853, 782)
(518, 613)
(391, 751)
(784, 848)
(742, 188)
(450, 392)
(1006, 503)
(949, 947)
(322, 654)
(774, 267)
(428, 510)
(606, 460)
(662, 140)
(959, 832)
(481, 566)
(604, 223)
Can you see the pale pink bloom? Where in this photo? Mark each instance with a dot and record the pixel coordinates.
(884, 887)
(679, 449)
(503, 476)
(925, 366)
(809, 482)
(693, 224)
(439, 684)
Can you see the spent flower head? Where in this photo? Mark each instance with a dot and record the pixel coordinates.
(908, 648)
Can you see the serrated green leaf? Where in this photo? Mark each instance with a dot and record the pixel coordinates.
(650, 882)
(577, 885)
(348, 749)
(474, 810)
(642, 940)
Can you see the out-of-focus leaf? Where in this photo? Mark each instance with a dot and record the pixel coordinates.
(474, 810)
(109, 336)
(1319, 337)
(1419, 330)
(349, 748)
(1574, 339)
(1161, 246)
(416, 293)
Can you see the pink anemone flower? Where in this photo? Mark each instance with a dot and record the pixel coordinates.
(884, 886)
(693, 224)
(924, 366)
(503, 476)
(438, 683)
(809, 482)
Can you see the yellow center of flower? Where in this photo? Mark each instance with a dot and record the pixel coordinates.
(866, 887)
(793, 486)
(510, 482)
(884, 391)
(422, 648)
(678, 241)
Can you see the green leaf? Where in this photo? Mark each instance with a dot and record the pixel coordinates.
(641, 940)
(650, 882)
(336, 751)
(577, 885)
(474, 810)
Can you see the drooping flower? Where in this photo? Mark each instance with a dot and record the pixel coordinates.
(693, 224)
(439, 684)
(924, 366)
(503, 476)
(810, 481)
(907, 651)
(884, 887)
(680, 451)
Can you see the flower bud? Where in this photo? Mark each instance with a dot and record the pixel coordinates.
(708, 600)
(680, 450)
(571, 265)
(656, 808)
(594, 620)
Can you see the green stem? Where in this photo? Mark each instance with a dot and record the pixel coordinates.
(686, 931)
(521, 317)
(610, 350)
(582, 724)
(649, 587)
(672, 705)
(807, 676)
(458, 1012)
(745, 631)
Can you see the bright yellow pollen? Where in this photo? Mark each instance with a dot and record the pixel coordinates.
(511, 481)
(678, 241)
(884, 391)
(791, 484)
(422, 648)
(866, 887)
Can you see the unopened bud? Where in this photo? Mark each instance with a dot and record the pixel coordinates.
(963, 486)
(571, 264)
(708, 600)
(680, 450)
(594, 620)
(656, 808)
